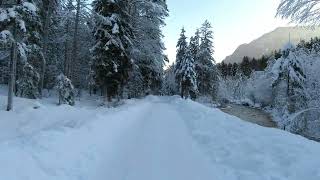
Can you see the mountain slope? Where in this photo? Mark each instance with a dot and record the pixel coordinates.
(155, 138)
(272, 41)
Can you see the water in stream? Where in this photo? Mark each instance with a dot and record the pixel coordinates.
(249, 114)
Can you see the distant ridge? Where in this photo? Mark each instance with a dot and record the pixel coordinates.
(272, 41)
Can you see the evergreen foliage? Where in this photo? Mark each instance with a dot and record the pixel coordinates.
(189, 78)
(207, 74)
(28, 83)
(182, 47)
(113, 37)
(65, 90)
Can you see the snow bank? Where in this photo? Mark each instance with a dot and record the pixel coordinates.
(240, 150)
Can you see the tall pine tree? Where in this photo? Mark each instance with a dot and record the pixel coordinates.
(205, 63)
(113, 36)
(189, 78)
(195, 45)
(182, 47)
(19, 28)
(147, 18)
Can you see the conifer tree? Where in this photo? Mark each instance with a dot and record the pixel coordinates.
(147, 18)
(113, 38)
(28, 83)
(65, 90)
(182, 47)
(245, 66)
(207, 74)
(189, 77)
(195, 45)
(18, 29)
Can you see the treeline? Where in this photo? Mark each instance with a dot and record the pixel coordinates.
(194, 73)
(113, 47)
(247, 66)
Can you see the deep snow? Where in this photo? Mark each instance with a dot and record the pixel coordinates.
(157, 138)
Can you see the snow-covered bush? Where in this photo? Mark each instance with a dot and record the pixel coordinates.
(65, 90)
(296, 89)
(259, 89)
(28, 83)
(233, 88)
(289, 81)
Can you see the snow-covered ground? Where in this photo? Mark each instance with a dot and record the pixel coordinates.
(156, 138)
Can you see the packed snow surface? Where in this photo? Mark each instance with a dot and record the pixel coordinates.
(156, 138)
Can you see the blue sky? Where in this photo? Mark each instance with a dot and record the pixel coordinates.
(234, 22)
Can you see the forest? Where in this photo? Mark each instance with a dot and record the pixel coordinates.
(114, 49)
(137, 90)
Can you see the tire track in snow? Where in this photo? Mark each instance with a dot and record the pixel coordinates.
(158, 146)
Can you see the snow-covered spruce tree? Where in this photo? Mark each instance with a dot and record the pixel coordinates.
(182, 48)
(245, 66)
(195, 45)
(113, 37)
(18, 22)
(46, 10)
(207, 74)
(32, 64)
(188, 77)
(28, 83)
(289, 84)
(65, 90)
(147, 18)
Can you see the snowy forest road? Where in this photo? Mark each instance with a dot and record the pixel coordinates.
(157, 147)
(155, 138)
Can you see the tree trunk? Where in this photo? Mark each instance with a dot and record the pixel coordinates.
(181, 90)
(66, 53)
(43, 71)
(107, 95)
(45, 47)
(75, 37)
(13, 62)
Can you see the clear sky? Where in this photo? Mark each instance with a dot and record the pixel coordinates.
(234, 22)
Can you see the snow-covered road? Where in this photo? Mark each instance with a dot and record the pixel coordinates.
(158, 138)
(156, 147)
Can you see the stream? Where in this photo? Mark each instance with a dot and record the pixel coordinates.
(249, 114)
